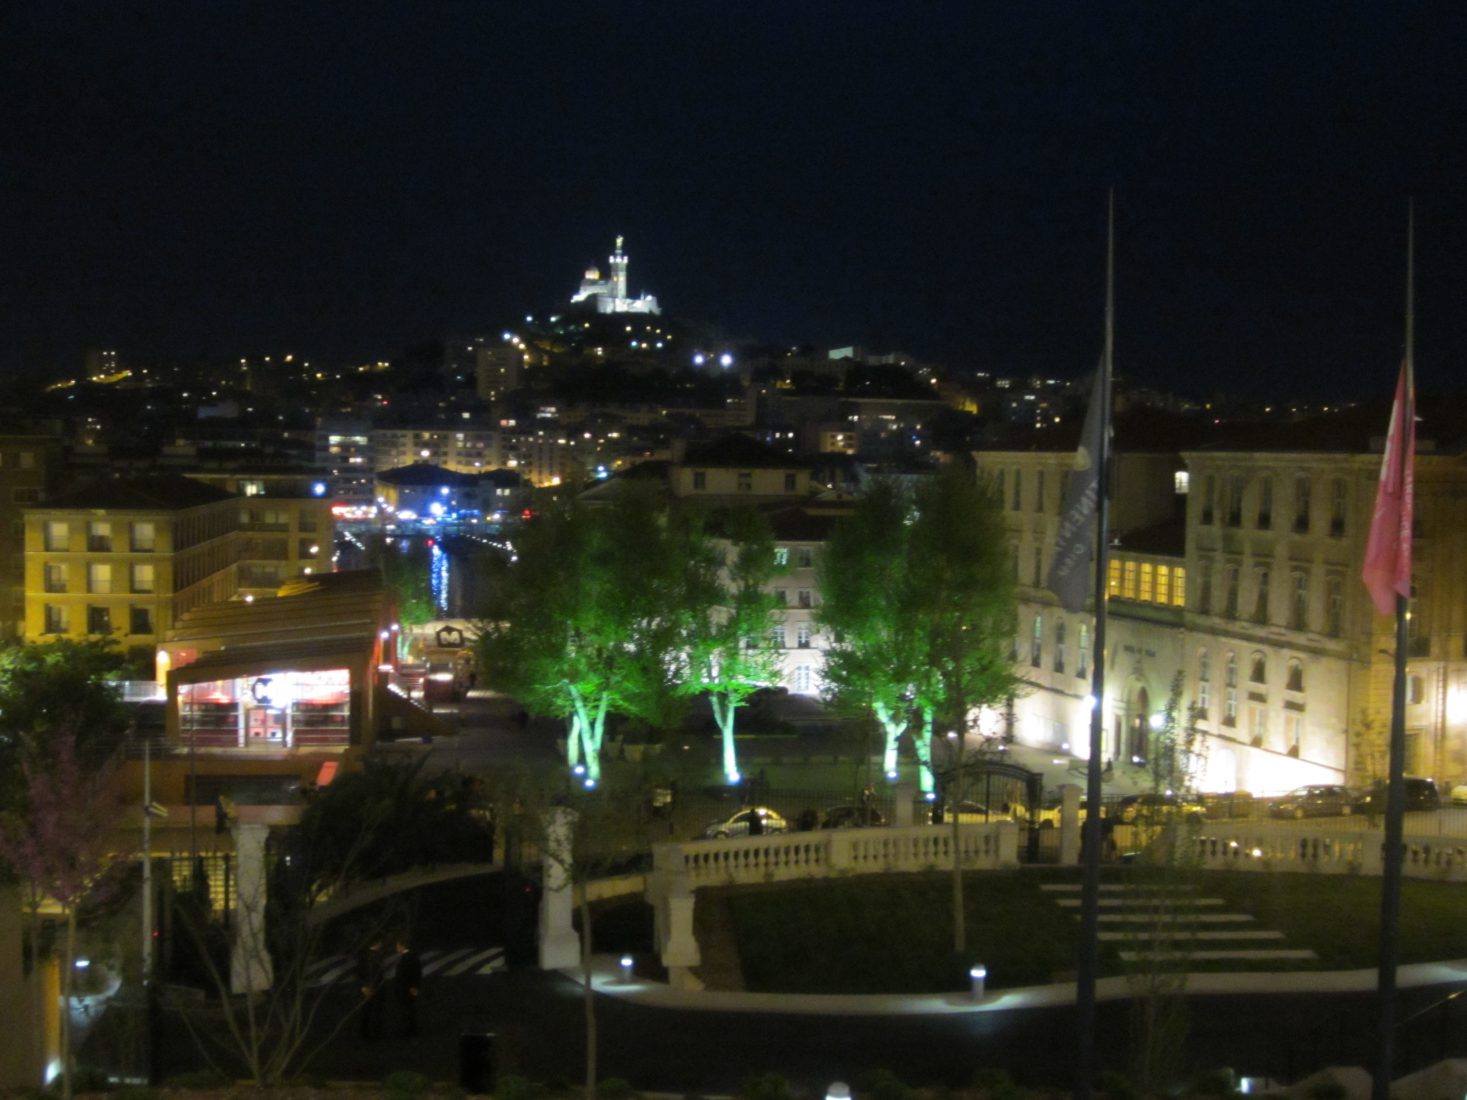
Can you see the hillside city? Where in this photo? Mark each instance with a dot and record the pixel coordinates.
(297, 569)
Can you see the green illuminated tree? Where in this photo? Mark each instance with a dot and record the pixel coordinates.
(960, 601)
(585, 623)
(871, 664)
(918, 596)
(729, 612)
(405, 565)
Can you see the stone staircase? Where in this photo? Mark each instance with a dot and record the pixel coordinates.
(1170, 923)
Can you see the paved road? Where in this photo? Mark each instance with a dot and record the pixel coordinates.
(539, 1026)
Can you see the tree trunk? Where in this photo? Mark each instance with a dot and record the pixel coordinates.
(893, 730)
(68, 964)
(923, 743)
(955, 797)
(723, 713)
(588, 995)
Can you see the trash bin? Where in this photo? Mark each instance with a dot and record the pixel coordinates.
(476, 1060)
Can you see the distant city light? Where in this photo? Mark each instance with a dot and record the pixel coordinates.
(725, 360)
(699, 359)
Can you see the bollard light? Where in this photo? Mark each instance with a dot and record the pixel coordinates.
(626, 968)
(978, 976)
(838, 1090)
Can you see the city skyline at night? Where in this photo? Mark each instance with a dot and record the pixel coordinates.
(194, 184)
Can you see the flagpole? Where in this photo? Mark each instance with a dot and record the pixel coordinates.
(1390, 879)
(1091, 831)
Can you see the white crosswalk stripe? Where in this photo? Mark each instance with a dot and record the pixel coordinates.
(456, 963)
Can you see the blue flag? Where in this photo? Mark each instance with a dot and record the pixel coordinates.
(1074, 551)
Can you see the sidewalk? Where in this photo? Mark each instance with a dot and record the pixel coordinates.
(607, 979)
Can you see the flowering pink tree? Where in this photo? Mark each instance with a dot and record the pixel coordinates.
(61, 844)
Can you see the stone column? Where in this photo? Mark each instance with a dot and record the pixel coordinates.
(560, 947)
(249, 959)
(901, 813)
(1069, 851)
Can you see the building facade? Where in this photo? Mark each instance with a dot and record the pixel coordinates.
(127, 558)
(1234, 583)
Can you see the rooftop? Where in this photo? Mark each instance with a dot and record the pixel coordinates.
(154, 493)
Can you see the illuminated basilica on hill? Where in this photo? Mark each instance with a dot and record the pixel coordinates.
(610, 295)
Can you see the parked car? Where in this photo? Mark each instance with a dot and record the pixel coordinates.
(1314, 800)
(1157, 809)
(1421, 794)
(743, 823)
(1046, 816)
(975, 813)
(1459, 795)
(852, 817)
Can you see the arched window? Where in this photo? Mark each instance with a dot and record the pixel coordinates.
(1295, 681)
(1258, 670)
(1059, 645)
(1204, 682)
(1334, 608)
(1230, 690)
(1299, 606)
(1082, 652)
(1339, 506)
(1036, 651)
(1018, 488)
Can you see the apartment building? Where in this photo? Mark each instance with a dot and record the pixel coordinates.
(29, 472)
(285, 521)
(126, 558)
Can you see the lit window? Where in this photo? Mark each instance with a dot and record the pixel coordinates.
(99, 579)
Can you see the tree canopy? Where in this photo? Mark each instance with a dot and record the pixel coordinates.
(917, 593)
(585, 621)
(51, 691)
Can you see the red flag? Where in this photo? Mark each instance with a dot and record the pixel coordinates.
(1387, 568)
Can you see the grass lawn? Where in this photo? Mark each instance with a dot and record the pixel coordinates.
(893, 933)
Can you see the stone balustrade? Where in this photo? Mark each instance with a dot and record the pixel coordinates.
(680, 869)
(1261, 846)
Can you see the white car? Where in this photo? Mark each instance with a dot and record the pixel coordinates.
(743, 824)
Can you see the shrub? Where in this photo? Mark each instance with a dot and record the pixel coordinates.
(199, 1079)
(519, 1088)
(1214, 1082)
(766, 1086)
(1117, 1086)
(406, 1082)
(882, 1084)
(995, 1084)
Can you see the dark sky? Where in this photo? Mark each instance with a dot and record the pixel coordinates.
(341, 179)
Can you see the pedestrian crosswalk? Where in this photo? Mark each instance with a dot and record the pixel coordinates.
(453, 963)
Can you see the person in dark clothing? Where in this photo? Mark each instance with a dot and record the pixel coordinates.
(369, 979)
(407, 985)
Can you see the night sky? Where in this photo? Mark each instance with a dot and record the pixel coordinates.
(213, 178)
